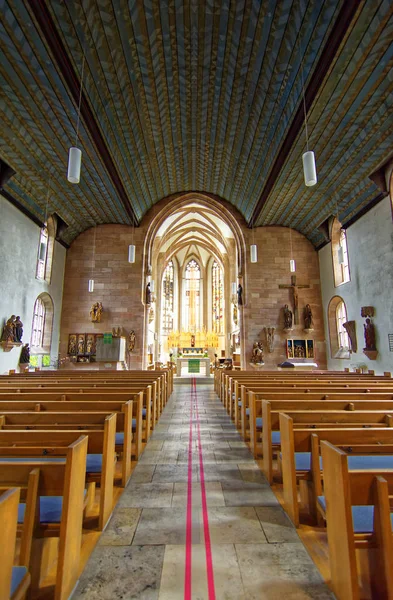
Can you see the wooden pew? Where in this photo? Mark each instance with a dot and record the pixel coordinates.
(359, 518)
(301, 459)
(65, 478)
(101, 455)
(86, 420)
(265, 422)
(14, 581)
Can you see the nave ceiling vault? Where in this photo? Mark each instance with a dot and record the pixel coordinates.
(196, 96)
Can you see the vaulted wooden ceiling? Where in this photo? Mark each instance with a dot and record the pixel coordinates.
(193, 95)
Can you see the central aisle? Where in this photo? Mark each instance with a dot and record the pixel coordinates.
(195, 454)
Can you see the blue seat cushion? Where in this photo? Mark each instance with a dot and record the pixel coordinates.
(119, 438)
(247, 412)
(50, 509)
(94, 463)
(362, 517)
(133, 424)
(17, 575)
(372, 461)
(143, 412)
(239, 403)
(276, 437)
(303, 461)
(259, 422)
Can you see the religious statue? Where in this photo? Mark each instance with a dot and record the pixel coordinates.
(369, 335)
(96, 312)
(131, 340)
(257, 353)
(90, 345)
(192, 341)
(294, 287)
(148, 294)
(24, 355)
(269, 331)
(308, 322)
(239, 295)
(18, 329)
(235, 314)
(8, 334)
(287, 317)
(72, 344)
(81, 344)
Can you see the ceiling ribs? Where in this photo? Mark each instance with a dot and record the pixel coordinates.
(339, 30)
(52, 38)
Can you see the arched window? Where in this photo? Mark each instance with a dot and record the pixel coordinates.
(37, 329)
(341, 317)
(167, 298)
(217, 297)
(41, 330)
(338, 337)
(340, 254)
(192, 299)
(42, 253)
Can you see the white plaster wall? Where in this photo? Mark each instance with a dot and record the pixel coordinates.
(370, 248)
(19, 288)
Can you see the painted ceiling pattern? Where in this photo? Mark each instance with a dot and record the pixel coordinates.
(192, 95)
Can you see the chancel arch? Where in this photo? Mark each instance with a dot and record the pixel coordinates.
(195, 250)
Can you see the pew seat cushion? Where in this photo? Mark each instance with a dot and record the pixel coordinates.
(119, 438)
(370, 461)
(303, 461)
(276, 437)
(247, 412)
(50, 509)
(259, 422)
(32, 459)
(362, 517)
(94, 463)
(18, 573)
(143, 412)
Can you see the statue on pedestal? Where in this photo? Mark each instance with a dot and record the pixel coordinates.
(96, 312)
(148, 294)
(24, 355)
(131, 340)
(269, 331)
(308, 322)
(239, 295)
(287, 317)
(8, 334)
(369, 335)
(18, 329)
(257, 353)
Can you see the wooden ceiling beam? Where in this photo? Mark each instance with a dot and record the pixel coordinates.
(339, 30)
(59, 53)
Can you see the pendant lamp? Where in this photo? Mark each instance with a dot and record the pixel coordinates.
(292, 266)
(253, 253)
(309, 166)
(91, 285)
(74, 153)
(131, 253)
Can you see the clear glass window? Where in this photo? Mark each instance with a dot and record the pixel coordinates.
(217, 298)
(341, 317)
(42, 254)
(37, 333)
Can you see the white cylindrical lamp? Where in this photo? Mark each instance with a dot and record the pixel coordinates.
(292, 266)
(131, 253)
(309, 168)
(234, 288)
(91, 285)
(253, 253)
(74, 164)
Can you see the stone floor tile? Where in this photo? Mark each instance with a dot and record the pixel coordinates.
(142, 474)
(232, 525)
(244, 493)
(214, 495)
(147, 495)
(121, 528)
(165, 526)
(278, 571)
(128, 573)
(276, 524)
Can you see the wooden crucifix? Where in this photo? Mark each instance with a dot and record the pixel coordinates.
(294, 287)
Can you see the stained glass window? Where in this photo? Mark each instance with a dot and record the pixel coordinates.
(192, 300)
(217, 298)
(167, 298)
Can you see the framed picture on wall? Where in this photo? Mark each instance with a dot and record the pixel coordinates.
(300, 348)
(290, 348)
(72, 348)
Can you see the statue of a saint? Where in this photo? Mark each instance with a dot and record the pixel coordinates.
(8, 334)
(369, 335)
(24, 355)
(96, 312)
(148, 294)
(131, 340)
(239, 295)
(18, 329)
(257, 353)
(308, 322)
(287, 317)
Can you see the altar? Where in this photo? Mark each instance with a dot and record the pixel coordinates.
(193, 364)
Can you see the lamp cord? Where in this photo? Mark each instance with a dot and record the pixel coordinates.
(304, 102)
(80, 101)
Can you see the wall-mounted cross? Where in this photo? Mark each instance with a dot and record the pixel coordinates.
(294, 289)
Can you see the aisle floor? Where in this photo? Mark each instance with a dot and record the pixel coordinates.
(144, 552)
